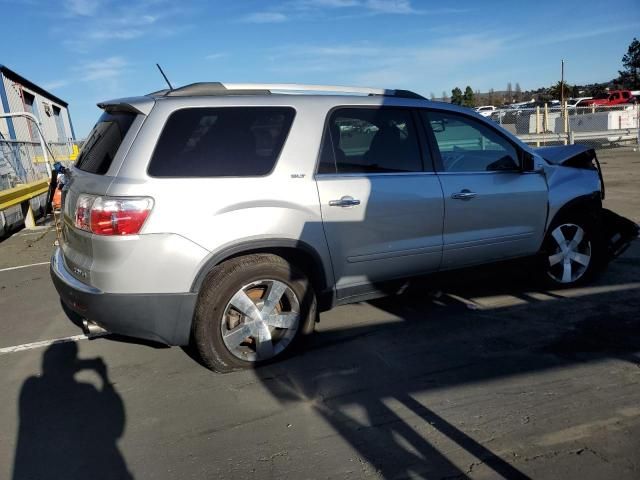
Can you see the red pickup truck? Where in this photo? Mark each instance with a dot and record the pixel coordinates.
(613, 97)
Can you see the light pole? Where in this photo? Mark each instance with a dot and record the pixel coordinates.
(562, 83)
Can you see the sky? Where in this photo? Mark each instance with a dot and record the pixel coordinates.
(86, 51)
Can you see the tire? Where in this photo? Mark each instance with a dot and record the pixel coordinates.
(573, 251)
(251, 310)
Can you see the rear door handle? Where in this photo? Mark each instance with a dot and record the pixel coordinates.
(464, 195)
(345, 201)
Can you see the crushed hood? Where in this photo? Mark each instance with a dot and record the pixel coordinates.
(568, 155)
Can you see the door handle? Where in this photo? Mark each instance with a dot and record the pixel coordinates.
(464, 195)
(345, 201)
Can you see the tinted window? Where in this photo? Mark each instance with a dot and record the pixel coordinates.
(467, 145)
(368, 140)
(103, 142)
(221, 142)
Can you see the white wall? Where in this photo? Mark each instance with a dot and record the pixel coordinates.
(14, 91)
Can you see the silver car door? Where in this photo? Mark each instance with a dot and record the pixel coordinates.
(382, 212)
(494, 210)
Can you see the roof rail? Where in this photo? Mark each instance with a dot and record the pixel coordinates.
(218, 88)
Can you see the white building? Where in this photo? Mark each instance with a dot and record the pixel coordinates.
(17, 94)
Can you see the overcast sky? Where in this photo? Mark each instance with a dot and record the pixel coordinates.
(85, 51)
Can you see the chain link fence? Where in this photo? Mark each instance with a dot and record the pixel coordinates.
(596, 126)
(24, 162)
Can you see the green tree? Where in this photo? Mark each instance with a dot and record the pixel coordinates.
(556, 90)
(630, 76)
(456, 96)
(468, 99)
(492, 96)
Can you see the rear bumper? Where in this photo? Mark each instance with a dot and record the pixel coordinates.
(160, 317)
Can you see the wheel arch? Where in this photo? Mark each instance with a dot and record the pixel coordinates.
(298, 252)
(591, 203)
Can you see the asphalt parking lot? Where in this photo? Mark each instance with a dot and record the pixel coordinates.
(484, 377)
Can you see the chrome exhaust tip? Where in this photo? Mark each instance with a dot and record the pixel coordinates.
(92, 329)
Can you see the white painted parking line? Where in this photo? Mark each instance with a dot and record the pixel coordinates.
(46, 343)
(23, 266)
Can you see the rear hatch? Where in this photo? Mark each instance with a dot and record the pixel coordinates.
(94, 170)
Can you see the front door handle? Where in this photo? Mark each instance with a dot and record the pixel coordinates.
(464, 195)
(345, 201)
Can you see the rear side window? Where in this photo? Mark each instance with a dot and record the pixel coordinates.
(370, 140)
(221, 142)
(104, 141)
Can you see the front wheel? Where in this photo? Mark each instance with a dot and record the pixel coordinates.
(251, 310)
(572, 253)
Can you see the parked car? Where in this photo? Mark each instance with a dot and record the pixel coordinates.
(485, 110)
(614, 97)
(227, 216)
(577, 102)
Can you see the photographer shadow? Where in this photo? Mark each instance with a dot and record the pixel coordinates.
(69, 429)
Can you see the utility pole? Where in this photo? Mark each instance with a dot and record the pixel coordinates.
(562, 83)
(563, 106)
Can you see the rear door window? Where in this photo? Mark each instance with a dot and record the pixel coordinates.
(221, 142)
(103, 142)
(370, 140)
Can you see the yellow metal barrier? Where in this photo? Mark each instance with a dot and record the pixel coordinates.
(17, 195)
(75, 150)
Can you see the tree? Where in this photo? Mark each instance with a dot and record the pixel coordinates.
(432, 96)
(492, 94)
(509, 93)
(556, 90)
(456, 96)
(444, 96)
(468, 99)
(630, 76)
(518, 93)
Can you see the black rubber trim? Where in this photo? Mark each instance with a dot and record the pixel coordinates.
(254, 246)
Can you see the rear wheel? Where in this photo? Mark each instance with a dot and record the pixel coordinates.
(251, 310)
(572, 252)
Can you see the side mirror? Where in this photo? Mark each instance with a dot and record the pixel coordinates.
(531, 164)
(438, 126)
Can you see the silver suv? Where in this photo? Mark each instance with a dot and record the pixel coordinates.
(228, 215)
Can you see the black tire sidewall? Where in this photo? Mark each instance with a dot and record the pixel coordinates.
(217, 291)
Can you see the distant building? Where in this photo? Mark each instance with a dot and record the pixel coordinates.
(17, 94)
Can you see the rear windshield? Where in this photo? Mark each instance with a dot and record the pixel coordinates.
(103, 142)
(221, 142)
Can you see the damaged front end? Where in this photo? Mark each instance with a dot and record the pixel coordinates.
(618, 232)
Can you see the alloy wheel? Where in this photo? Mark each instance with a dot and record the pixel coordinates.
(260, 320)
(570, 254)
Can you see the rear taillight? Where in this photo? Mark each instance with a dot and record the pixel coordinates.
(112, 215)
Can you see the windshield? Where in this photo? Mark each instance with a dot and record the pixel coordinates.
(104, 141)
(602, 95)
